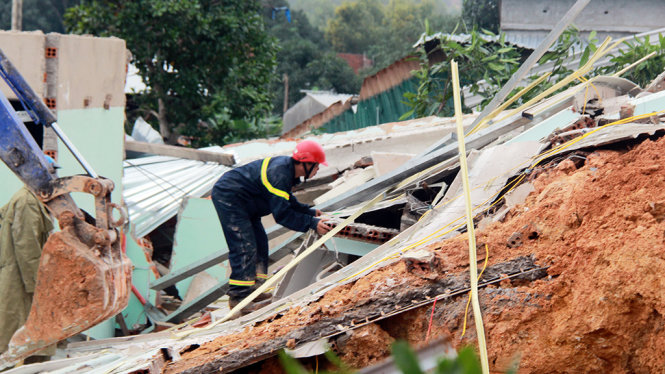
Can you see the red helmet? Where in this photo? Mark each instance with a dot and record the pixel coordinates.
(309, 151)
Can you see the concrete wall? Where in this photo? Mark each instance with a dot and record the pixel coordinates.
(198, 235)
(94, 80)
(26, 52)
(86, 77)
(618, 16)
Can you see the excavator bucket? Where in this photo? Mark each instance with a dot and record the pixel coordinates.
(83, 276)
(78, 286)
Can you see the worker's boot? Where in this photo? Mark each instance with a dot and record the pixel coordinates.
(249, 308)
(267, 295)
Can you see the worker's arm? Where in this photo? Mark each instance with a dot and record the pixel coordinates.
(29, 231)
(290, 218)
(300, 207)
(277, 179)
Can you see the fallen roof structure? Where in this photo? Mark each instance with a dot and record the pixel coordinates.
(539, 253)
(569, 266)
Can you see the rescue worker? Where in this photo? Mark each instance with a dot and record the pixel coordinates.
(245, 194)
(25, 224)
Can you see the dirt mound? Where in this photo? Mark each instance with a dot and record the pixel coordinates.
(601, 231)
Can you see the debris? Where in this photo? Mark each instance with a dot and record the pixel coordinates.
(518, 194)
(364, 162)
(388, 161)
(658, 84)
(422, 263)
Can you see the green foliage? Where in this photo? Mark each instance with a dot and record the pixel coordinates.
(293, 366)
(466, 362)
(306, 57)
(384, 31)
(562, 51)
(44, 15)
(483, 57)
(645, 72)
(193, 55)
(355, 26)
(222, 128)
(570, 42)
(482, 14)
(319, 12)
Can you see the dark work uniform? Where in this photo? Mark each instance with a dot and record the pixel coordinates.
(241, 197)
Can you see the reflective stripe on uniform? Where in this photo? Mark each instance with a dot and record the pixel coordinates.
(262, 276)
(266, 183)
(235, 282)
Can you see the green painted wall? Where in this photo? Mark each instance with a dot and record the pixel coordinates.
(351, 247)
(388, 106)
(198, 235)
(98, 134)
(141, 278)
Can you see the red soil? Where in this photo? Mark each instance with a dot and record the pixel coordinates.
(602, 232)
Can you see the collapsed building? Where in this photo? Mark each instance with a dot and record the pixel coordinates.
(570, 217)
(569, 208)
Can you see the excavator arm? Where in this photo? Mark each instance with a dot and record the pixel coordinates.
(84, 277)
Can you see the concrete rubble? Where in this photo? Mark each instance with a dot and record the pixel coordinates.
(569, 201)
(571, 256)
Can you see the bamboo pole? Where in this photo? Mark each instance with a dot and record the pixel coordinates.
(473, 266)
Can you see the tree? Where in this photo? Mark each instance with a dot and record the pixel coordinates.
(402, 27)
(197, 57)
(356, 26)
(484, 56)
(483, 14)
(305, 57)
(384, 30)
(45, 15)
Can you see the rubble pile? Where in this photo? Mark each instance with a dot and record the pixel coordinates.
(596, 225)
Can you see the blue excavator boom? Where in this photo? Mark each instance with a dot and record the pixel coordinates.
(84, 277)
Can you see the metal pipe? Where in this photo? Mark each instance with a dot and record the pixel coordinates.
(73, 150)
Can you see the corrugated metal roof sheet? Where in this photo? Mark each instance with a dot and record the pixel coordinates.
(463, 38)
(155, 186)
(312, 104)
(328, 98)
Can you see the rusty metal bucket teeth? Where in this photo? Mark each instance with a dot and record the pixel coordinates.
(77, 288)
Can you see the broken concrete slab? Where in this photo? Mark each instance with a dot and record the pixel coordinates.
(518, 194)
(201, 283)
(649, 103)
(385, 162)
(544, 128)
(612, 134)
(487, 177)
(604, 88)
(350, 180)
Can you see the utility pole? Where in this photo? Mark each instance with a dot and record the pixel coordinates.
(17, 15)
(286, 93)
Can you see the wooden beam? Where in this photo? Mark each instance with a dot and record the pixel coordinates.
(180, 152)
